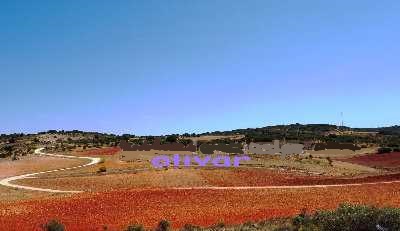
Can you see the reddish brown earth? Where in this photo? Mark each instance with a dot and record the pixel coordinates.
(193, 178)
(254, 177)
(117, 209)
(387, 160)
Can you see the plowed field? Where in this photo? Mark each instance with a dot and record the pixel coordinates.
(387, 160)
(117, 209)
(194, 178)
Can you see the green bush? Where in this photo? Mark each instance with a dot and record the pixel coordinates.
(393, 145)
(189, 227)
(302, 222)
(54, 225)
(384, 150)
(219, 225)
(357, 217)
(163, 226)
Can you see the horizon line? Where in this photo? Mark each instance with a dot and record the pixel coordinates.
(122, 133)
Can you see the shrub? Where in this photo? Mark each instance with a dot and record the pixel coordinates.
(54, 225)
(302, 221)
(189, 227)
(218, 226)
(171, 139)
(384, 150)
(393, 145)
(357, 217)
(284, 228)
(346, 217)
(329, 161)
(135, 228)
(163, 226)
(102, 169)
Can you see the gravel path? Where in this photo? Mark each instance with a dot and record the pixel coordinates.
(7, 181)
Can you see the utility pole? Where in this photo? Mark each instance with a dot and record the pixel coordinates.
(341, 116)
(298, 133)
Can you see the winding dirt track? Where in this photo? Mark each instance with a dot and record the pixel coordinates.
(7, 181)
(95, 160)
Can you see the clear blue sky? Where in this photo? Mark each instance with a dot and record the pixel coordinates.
(160, 67)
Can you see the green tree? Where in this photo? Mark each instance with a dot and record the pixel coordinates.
(171, 139)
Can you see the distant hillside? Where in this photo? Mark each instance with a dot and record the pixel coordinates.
(291, 131)
(22, 144)
(324, 132)
(393, 130)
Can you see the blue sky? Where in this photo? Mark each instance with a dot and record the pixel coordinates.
(157, 67)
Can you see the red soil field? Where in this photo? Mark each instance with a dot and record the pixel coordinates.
(100, 151)
(253, 177)
(117, 209)
(387, 160)
(193, 178)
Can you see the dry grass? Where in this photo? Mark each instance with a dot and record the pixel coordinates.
(29, 164)
(336, 153)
